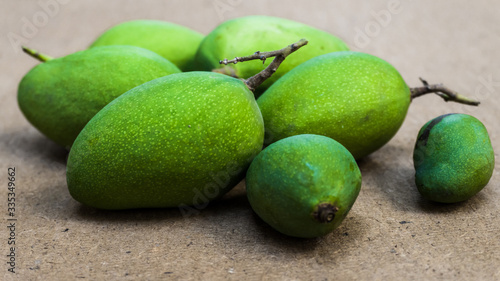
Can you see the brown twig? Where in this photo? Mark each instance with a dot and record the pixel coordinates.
(442, 91)
(279, 56)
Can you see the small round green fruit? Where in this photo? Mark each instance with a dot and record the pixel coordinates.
(453, 158)
(303, 186)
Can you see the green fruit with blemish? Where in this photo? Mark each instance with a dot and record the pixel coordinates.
(303, 185)
(245, 35)
(180, 140)
(59, 96)
(453, 158)
(355, 98)
(174, 42)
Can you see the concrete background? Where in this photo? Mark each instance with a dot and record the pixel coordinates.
(391, 232)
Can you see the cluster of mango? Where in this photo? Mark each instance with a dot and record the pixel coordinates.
(154, 115)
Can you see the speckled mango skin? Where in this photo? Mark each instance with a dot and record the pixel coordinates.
(289, 178)
(355, 98)
(183, 139)
(246, 35)
(174, 42)
(453, 158)
(61, 95)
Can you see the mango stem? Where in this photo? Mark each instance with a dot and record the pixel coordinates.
(325, 212)
(36, 54)
(444, 92)
(279, 56)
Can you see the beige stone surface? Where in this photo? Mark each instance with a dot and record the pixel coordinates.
(391, 232)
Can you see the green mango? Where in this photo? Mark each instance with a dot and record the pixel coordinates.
(61, 95)
(453, 158)
(246, 35)
(303, 185)
(174, 42)
(355, 98)
(176, 141)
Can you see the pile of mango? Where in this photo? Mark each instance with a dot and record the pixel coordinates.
(153, 119)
